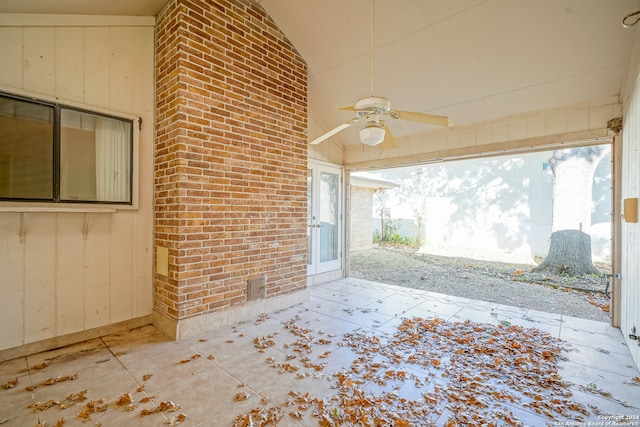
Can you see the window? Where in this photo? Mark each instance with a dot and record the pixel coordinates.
(53, 153)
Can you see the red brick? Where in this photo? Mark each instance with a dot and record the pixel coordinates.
(230, 172)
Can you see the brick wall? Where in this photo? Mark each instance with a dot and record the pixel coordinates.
(231, 156)
(361, 218)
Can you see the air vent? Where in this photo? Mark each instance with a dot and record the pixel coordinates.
(256, 288)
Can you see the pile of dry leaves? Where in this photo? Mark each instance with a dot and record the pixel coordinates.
(466, 372)
(87, 407)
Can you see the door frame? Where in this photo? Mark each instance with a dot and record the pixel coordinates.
(315, 266)
(616, 230)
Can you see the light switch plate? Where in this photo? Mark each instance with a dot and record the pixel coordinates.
(630, 210)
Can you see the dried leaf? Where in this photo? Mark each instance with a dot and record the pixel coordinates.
(85, 414)
(61, 378)
(40, 366)
(633, 381)
(168, 405)
(124, 399)
(10, 384)
(296, 414)
(46, 405)
(176, 420)
(77, 397)
(241, 396)
(146, 411)
(246, 422)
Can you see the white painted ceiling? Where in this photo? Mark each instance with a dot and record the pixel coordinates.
(472, 60)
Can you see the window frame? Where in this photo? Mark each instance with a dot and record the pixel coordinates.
(56, 203)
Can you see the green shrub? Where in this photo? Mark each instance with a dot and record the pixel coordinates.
(390, 235)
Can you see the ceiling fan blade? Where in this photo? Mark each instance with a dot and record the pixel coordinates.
(348, 108)
(389, 142)
(335, 130)
(430, 119)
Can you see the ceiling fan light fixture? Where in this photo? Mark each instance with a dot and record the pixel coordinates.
(372, 108)
(372, 135)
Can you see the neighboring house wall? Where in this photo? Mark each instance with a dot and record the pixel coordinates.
(78, 272)
(494, 208)
(516, 134)
(361, 212)
(630, 274)
(231, 160)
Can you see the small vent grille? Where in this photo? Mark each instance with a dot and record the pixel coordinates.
(256, 288)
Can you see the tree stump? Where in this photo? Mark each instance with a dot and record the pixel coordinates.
(569, 253)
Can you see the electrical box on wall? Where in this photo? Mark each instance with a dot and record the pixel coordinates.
(630, 210)
(162, 261)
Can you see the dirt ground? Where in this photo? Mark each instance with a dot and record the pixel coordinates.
(503, 283)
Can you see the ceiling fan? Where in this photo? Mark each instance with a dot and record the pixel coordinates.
(372, 109)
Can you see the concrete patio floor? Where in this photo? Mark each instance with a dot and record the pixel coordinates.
(218, 377)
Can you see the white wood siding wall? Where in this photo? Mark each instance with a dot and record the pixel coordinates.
(565, 124)
(329, 151)
(630, 282)
(74, 271)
